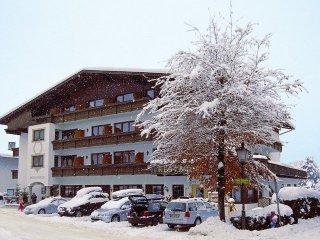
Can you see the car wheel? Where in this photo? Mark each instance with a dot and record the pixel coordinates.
(197, 221)
(78, 214)
(155, 222)
(42, 211)
(115, 218)
(170, 226)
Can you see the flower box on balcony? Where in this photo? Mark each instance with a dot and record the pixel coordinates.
(78, 133)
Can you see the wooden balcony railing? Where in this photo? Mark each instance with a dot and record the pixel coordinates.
(112, 108)
(101, 170)
(129, 137)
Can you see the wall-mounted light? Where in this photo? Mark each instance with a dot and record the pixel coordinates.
(166, 188)
(147, 152)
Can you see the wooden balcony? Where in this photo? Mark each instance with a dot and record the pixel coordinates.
(129, 137)
(112, 108)
(101, 170)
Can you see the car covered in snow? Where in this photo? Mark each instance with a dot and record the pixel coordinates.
(45, 206)
(117, 208)
(84, 203)
(188, 212)
(146, 210)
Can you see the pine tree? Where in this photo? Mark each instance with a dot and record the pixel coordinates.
(310, 165)
(214, 99)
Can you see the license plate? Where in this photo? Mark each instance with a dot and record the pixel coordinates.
(173, 215)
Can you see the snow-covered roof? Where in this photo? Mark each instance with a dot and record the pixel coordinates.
(8, 156)
(257, 156)
(285, 165)
(292, 193)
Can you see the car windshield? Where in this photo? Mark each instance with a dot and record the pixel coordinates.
(177, 206)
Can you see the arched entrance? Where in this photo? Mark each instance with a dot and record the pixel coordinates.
(37, 189)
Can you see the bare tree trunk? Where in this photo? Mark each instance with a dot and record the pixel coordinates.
(221, 177)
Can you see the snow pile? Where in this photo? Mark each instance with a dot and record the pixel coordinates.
(87, 190)
(293, 193)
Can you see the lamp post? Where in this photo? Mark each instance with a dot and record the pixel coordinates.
(243, 155)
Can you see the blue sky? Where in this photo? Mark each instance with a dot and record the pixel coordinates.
(43, 42)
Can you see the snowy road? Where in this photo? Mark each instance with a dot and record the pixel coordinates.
(15, 225)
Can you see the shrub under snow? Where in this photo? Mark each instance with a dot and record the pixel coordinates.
(260, 218)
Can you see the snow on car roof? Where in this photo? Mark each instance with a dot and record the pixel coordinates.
(87, 190)
(115, 203)
(126, 192)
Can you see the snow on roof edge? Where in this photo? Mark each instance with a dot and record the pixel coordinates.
(285, 165)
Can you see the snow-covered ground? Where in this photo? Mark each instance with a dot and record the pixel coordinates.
(15, 225)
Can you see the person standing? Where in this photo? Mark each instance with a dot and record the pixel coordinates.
(21, 204)
(34, 198)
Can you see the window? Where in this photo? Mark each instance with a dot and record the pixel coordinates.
(68, 134)
(98, 130)
(70, 109)
(69, 190)
(124, 127)
(154, 189)
(67, 161)
(150, 93)
(38, 135)
(37, 161)
(96, 103)
(125, 97)
(177, 191)
(124, 157)
(97, 158)
(14, 174)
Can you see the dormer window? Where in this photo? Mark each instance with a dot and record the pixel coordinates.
(125, 98)
(96, 103)
(150, 93)
(70, 109)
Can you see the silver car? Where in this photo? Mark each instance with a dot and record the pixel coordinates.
(115, 210)
(45, 206)
(188, 212)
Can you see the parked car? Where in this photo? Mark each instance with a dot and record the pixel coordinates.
(45, 206)
(146, 210)
(188, 212)
(84, 203)
(116, 209)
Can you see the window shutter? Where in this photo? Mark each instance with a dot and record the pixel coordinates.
(107, 158)
(107, 129)
(139, 157)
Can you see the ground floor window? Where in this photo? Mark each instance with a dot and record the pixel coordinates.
(154, 189)
(121, 187)
(69, 190)
(249, 195)
(177, 191)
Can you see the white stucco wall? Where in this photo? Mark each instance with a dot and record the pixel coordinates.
(7, 164)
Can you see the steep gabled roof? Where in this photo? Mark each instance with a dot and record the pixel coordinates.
(73, 80)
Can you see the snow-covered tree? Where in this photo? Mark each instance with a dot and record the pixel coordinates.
(214, 99)
(313, 171)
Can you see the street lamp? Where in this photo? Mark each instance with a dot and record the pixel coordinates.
(243, 155)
